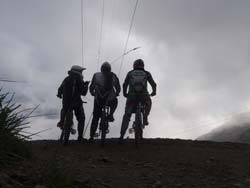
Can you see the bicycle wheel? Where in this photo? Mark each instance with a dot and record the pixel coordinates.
(62, 135)
(138, 127)
(67, 127)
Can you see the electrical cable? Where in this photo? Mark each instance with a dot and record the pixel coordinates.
(129, 32)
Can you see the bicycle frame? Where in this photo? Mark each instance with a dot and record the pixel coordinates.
(104, 124)
(66, 127)
(138, 125)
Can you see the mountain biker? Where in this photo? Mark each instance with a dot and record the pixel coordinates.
(137, 80)
(105, 87)
(71, 90)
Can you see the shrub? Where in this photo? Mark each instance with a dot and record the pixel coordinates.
(13, 121)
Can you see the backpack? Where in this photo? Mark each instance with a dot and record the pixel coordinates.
(138, 81)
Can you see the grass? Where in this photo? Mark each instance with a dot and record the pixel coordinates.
(13, 121)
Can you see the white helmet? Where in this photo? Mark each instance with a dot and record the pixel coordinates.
(77, 69)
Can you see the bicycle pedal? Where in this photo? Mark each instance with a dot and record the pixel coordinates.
(96, 135)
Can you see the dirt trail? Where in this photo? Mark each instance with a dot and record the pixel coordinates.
(158, 163)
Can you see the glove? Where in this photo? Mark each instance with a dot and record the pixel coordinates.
(92, 93)
(86, 83)
(125, 95)
(153, 93)
(59, 96)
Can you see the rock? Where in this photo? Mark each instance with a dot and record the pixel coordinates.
(83, 182)
(105, 159)
(40, 186)
(157, 184)
(179, 185)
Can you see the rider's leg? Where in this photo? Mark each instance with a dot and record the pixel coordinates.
(80, 116)
(148, 105)
(96, 116)
(126, 118)
(113, 105)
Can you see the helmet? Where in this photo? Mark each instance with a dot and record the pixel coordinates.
(106, 67)
(77, 68)
(139, 63)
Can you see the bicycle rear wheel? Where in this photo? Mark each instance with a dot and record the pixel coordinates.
(104, 127)
(66, 128)
(138, 128)
(62, 135)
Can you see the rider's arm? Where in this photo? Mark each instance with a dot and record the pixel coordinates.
(92, 86)
(60, 90)
(125, 85)
(152, 83)
(117, 85)
(84, 87)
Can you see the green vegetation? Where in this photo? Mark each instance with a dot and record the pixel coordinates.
(13, 121)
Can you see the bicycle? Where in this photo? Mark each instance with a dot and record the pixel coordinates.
(138, 124)
(104, 123)
(67, 127)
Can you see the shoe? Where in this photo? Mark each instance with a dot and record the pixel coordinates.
(111, 118)
(145, 120)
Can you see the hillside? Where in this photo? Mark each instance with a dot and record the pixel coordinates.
(229, 133)
(158, 163)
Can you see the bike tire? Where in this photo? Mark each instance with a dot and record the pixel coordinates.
(103, 131)
(138, 128)
(62, 135)
(66, 135)
(66, 128)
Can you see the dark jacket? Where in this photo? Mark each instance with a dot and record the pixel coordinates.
(131, 92)
(105, 83)
(71, 89)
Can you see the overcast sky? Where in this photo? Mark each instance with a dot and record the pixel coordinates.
(198, 52)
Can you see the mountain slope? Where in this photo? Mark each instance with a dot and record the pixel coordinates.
(229, 133)
(158, 163)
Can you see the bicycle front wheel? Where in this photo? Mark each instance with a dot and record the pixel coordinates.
(104, 127)
(138, 128)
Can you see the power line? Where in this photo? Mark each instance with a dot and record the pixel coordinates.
(82, 30)
(116, 59)
(129, 32)
(100, 38)
(11, 81)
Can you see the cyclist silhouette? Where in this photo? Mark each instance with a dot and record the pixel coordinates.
(137, 80)
(105, 87)
(71, 89)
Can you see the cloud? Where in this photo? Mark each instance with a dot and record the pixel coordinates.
(198, 52)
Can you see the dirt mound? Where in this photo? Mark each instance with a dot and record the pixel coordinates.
(158, 163)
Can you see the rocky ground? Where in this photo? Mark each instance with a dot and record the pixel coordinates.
(158, 163)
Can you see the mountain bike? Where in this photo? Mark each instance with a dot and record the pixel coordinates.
(103, 100)
(67, 127)
(104, 123)
(138, 124)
